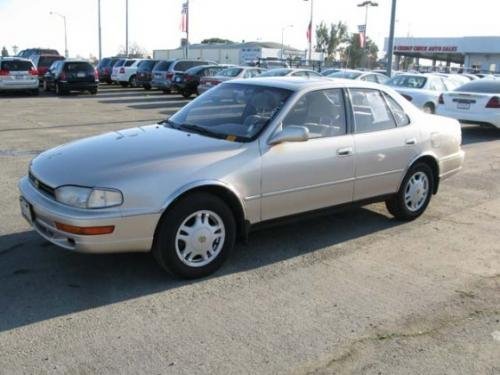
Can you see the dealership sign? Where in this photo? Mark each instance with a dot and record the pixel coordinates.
(426, 49)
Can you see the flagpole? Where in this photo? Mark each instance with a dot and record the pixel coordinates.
(311, 36)
(187, 29)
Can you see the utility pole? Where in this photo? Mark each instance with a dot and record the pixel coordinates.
(99, 27)
(311, 28)
(390, 44)
(65, 33)
(187, 29)
(126, 28)
(366, 5)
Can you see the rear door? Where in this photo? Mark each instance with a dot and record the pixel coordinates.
(385, 142)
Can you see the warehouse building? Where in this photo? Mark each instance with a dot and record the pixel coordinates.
(237, 53)
(473, 53)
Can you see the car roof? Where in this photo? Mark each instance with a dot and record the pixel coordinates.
(12, 58)
(299, 83)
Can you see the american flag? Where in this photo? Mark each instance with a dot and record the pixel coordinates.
(184, 19)
(362, 35)
(309, 32)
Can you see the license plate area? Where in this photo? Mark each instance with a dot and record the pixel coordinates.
(463, 105)
(80, 74)
(26, 210)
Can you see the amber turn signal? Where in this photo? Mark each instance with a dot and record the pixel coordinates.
(87, 231)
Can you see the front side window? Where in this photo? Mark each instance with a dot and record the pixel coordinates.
(231, 111)
(322, 112)
(371, 112)
(409, 81)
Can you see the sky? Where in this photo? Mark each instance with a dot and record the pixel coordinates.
(154, 24)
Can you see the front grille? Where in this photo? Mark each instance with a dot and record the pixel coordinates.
(39, 185)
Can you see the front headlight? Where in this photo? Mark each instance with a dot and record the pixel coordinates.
(84, 197)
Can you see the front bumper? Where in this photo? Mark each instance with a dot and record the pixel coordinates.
(133, 233)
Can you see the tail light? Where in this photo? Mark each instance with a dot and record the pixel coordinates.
(96, 74)
(122, 70)
(169, 75)
(106, 70)
(4, 72)
(407, 97)
(33, 71)
(441, 99)
(494, 102)
(187, 77)
(62, 76)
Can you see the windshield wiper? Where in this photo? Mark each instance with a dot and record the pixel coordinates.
(201, 130)
(169, 123)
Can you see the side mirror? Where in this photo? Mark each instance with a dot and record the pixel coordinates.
(291, 133)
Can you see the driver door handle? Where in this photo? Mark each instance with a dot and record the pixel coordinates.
(410, 141)
(345, 151)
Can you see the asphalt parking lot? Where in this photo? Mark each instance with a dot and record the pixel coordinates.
(354, 292)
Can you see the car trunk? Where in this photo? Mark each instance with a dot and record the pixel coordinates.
(466, 102)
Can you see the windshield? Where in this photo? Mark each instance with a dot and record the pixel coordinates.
(231, 72)
(275, 73)
(345, 74)
(232, 111)
(412, 82)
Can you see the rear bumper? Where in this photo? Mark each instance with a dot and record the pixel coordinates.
(18, 85)
(131, 233)
(450, 165)
(471, 117)
(79, 86)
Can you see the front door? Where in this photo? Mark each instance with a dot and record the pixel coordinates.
(317, 173)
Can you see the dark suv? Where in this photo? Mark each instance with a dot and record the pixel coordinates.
(186, 83)
(143, 75)
(163, 72)
(105, 67)
(71, 75)
(43, 63)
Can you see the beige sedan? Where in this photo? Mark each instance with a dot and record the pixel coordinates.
(244, 153)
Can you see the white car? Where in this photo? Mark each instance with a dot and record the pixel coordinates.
(422, 90)
(116, 69)
(475, 102)
(17, 73)
(126, 74)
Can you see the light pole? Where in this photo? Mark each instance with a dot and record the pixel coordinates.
(282, 38)
(366, 5)
(65, 32)
(311, 30)
(126, 28)
(99, 27)
(390, 44)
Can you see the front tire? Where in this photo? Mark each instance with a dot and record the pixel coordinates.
(414, 194)
(195, 236)
(59, 90)
(132, 81)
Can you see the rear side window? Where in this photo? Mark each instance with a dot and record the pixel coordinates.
(162, 66)
(77, 67)
(119, 63)
(371, 112)
(129, 62)
(16, 65)
(147, 64)
(400, 116)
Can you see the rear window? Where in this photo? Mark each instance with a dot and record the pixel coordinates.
(77, 67)
(147, 64)
(481, 86)
(46, 61)
(16, 65)
(184, 65)
(48, 52)
(276, 73)
(412, 82)
(231, 72)
(345, 74)
(162, 65)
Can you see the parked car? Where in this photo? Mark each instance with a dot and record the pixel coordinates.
(143, 74)
(43, 63)
(104, 69)
(476, 102)
(422, 90)
(330, 71)
(18, 74)
(116, 67)
(126, 74)
(186, 83)
(360, 75)
(289, 72)
(206, 83)
(30, 53)
(242, 154)
(163, 72)
(71, 75)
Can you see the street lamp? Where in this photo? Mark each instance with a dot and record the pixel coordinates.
(282, 38)
(65, 32)
(366, 5)
(311, 30)
(390, 44)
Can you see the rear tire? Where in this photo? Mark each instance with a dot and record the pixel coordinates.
(167, 91)
(132, 81)
(186, 94)
(147, 86)
(123, 84)
(414, 194)
(93, 91)
(59, 90)
(429, 108)
(35, 92)
(45, 86)
(195, 236)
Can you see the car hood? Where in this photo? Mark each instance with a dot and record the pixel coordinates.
(107, 158)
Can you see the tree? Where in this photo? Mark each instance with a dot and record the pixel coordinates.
(216, 41)
(134, 50)
(328, 40)
(356, 57)
(4, 52)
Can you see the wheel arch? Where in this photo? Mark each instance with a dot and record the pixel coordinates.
(218, 188)
(432, 162)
